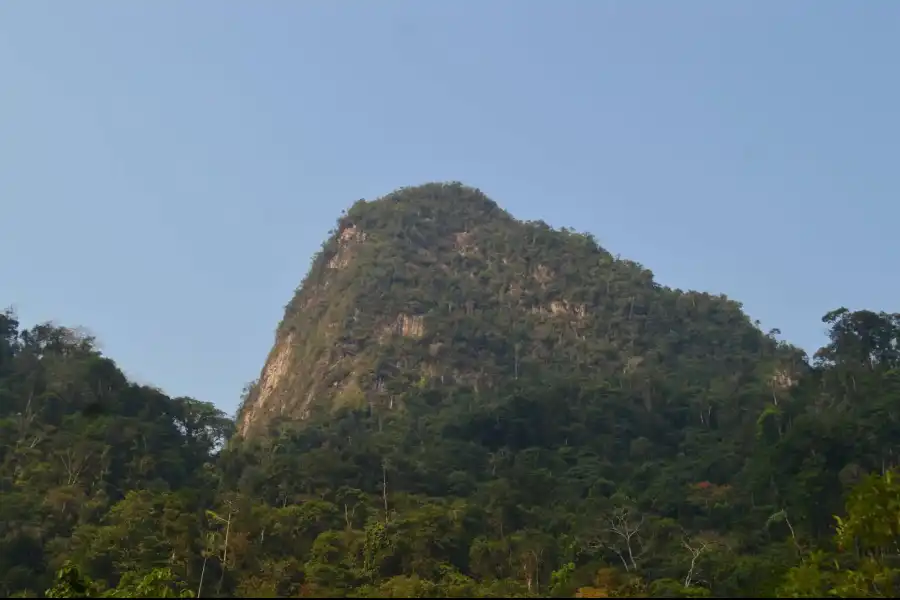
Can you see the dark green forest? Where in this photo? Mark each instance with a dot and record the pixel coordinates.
(544, 488)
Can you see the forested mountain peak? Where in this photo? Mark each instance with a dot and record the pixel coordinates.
(435, 286)
(654, 444)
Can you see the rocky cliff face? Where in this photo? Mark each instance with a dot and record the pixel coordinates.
(435, 286)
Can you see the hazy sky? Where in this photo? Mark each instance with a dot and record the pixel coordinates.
(168, 168)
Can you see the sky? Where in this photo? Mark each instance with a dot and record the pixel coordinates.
(169, 168)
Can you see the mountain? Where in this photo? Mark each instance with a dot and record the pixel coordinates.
(463, 405)
(435, 286)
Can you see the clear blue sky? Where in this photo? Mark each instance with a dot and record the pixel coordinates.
(168, 168)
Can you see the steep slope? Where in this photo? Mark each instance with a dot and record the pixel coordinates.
(435, 286)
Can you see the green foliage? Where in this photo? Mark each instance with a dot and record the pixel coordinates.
(655, 444)
(95, 470)
(159, 583)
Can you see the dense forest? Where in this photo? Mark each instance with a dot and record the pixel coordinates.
(547, 489)
(460, 404)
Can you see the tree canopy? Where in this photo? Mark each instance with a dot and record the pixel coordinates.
(544, 488)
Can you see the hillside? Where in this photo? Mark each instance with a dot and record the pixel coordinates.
(459, 404)
(435, 287)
